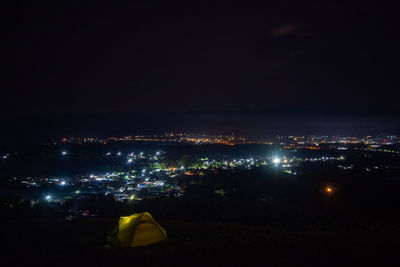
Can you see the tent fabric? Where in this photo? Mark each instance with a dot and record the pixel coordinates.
(140, 229)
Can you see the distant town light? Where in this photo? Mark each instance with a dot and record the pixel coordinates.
(63, 183)
(64, 153)
(48, 197)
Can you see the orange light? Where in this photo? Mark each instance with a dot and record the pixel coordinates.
(329, 189)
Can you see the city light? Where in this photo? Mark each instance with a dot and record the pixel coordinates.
(64, 153)
(63, 183)
(48, 197)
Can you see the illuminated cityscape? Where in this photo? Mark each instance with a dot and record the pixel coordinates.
(158, 170)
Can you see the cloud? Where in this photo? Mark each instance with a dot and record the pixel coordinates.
(284, 30)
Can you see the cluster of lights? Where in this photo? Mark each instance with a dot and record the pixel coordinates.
(277, 160)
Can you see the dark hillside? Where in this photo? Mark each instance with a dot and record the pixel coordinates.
(81, 243)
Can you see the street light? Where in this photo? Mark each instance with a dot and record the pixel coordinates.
(276, 160)
(329, 189)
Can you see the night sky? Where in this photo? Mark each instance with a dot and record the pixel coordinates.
(283, 66)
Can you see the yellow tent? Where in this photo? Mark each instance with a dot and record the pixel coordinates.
(140, 229)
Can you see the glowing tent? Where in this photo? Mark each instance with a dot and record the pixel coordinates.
(139, 229)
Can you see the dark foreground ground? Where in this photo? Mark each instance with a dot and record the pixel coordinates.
(81, 243)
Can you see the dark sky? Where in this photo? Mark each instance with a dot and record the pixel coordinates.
(282, 64)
